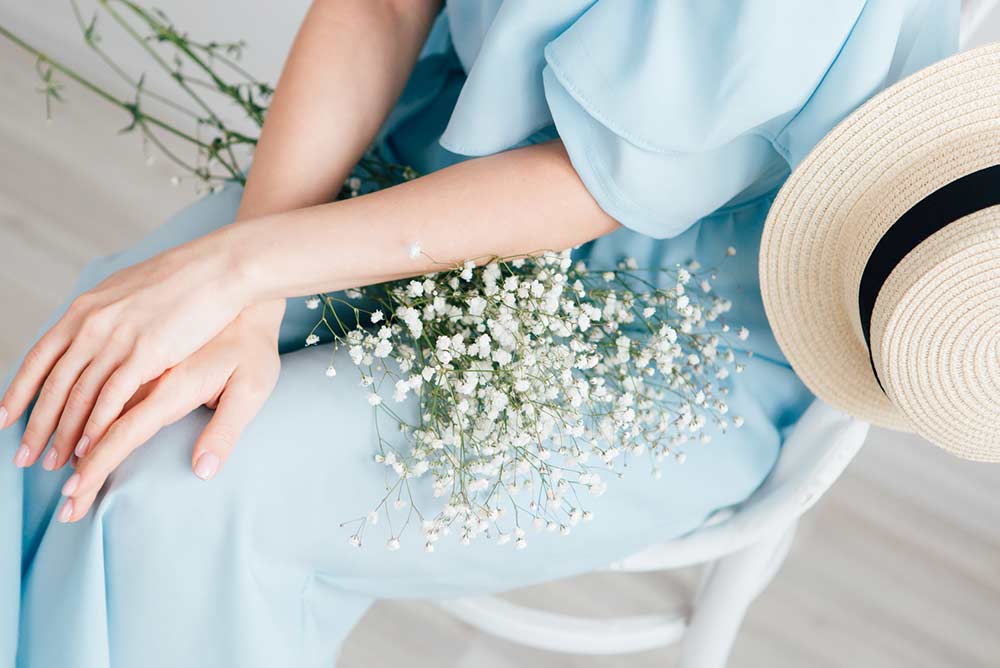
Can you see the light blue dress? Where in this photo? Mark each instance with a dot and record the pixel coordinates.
(682, 118)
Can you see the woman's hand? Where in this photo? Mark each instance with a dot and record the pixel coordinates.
(234, 373)
(128, 330)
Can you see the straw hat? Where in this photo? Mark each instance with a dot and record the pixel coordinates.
(880, 259)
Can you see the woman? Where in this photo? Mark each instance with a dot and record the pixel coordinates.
(654, 130)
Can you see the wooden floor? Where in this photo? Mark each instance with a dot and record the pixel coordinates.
(898, 566)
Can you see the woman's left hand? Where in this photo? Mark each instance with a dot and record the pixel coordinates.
(233, 374)
(115, 338)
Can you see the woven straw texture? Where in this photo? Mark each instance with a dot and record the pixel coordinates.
(936, 326)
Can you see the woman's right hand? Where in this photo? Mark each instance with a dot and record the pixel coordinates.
(234, 373)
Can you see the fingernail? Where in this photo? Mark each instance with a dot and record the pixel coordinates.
(3, 417)
(81, 447)
(49, 463)
(207, 466)
(21, 456)
(71, 484)
(66, 511)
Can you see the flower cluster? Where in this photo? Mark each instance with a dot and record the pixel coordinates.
(535, 380)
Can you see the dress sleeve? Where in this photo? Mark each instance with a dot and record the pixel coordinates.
(670, 109)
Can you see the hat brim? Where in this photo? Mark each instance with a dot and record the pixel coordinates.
(925, 131)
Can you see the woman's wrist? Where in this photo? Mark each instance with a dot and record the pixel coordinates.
(270, 257)
(233, 252)
(247, 245)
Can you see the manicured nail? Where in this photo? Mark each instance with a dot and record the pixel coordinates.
(3, 417)
(207, 466)
(49, 463)
(71, 484)
(21, 456)
(66, 511)
(81, 447)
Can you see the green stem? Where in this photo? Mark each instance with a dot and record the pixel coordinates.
(100, 92)
(233, 169)
(90, 39)
(168, 33)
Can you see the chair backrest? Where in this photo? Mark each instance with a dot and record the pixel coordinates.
(816, 452)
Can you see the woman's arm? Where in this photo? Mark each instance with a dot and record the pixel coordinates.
(521, 201)
(346, 69)
(325, 111)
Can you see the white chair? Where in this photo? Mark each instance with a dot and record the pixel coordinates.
(740, 550)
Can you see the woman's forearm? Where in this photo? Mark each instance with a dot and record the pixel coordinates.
(517, 202)
(346, 69)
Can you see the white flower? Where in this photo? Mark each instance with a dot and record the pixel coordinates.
(392, 545)
(377, 316)
(743, 333)
(312, 303)
(402, 389)
(383, 348)
(331, 371)
(374, 399)
(357, 354)
(312, 339)
(502, 357)
(477, 305)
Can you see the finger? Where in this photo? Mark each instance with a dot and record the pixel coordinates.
(239, 403)
(69, 436)
(165, 405)
(73, 508)
(144, 391)
(36, 366)
(49, 406)
(121, 385)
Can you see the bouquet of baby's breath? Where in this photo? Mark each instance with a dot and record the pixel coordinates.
(535, 378)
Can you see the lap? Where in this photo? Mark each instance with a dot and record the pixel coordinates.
(268, 526)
